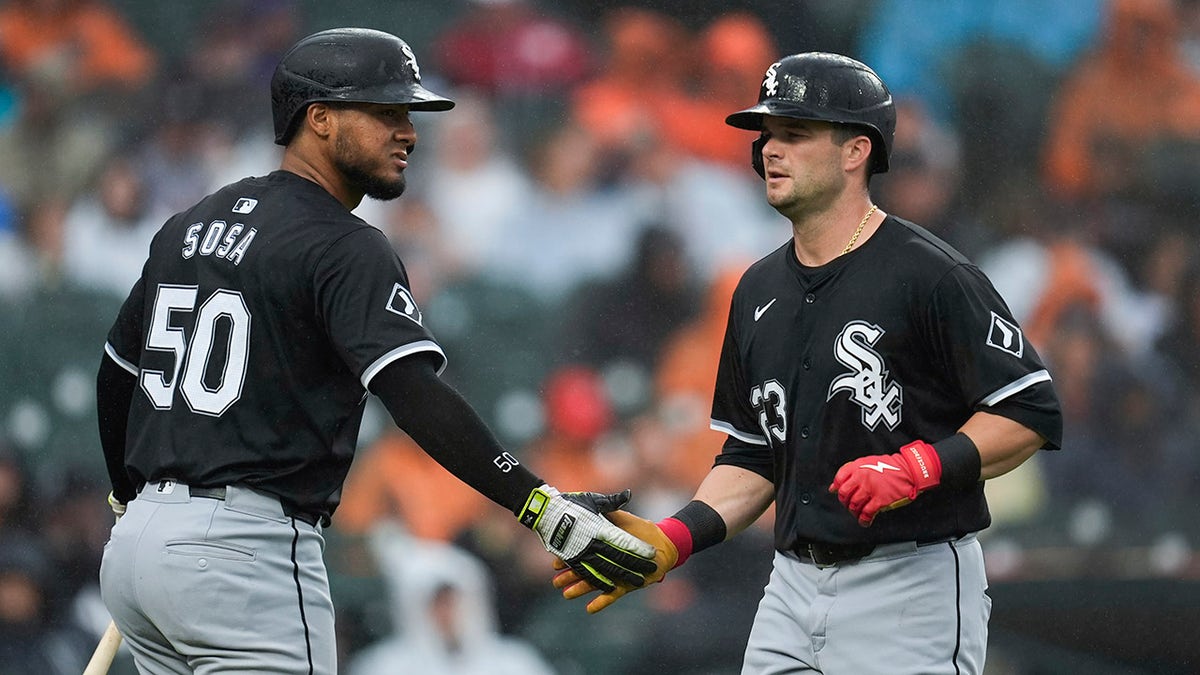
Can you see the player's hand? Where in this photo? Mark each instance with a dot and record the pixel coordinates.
(117, 507)
(869, 485)
(571, 527)
(665, 556)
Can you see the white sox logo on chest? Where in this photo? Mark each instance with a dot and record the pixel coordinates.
(868, 384)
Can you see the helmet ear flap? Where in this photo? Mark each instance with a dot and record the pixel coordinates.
(756, 159)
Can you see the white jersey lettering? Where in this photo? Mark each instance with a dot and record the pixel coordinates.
(191, 239)
(229, 244)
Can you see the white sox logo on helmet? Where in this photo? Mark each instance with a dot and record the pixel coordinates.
(412, 61)
(770, 84)
(868, 384)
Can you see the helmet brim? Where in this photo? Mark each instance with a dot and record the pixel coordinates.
(435, 105)
(413, 95)
(749, 119)
(424, 100)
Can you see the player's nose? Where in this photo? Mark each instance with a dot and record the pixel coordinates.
(405, 132)
(771, 148)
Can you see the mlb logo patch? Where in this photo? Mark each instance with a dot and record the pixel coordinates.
(245, 205)
(401, 302)
(1005, 336)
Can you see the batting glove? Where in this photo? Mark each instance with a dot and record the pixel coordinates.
(117, 507)
(571, 527)
(666, 557)
(878, 483)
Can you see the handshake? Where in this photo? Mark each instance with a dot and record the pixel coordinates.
(597, 546)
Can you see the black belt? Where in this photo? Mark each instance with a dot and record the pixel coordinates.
(824, 555)
(831, 554)
(219, 493)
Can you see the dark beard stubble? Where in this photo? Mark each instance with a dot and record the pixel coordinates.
(351, 165)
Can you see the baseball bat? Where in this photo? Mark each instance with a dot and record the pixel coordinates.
(105, 652)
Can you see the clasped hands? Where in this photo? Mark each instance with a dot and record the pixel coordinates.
(574, 585)
(572, 526)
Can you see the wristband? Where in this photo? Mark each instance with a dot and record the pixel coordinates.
(674, 529)
(960, 461)
(694, 528)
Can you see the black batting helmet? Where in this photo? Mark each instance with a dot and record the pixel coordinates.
(359, 65)
(829, 87)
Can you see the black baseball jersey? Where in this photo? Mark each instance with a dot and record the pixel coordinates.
(261, 315)
(899, 340)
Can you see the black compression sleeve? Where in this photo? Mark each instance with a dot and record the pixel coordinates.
(114, 391)
(450, 431)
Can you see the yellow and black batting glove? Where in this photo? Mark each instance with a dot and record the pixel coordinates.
(572, 527)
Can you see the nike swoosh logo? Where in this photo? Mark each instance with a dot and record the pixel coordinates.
(878, 466)
(759, 311)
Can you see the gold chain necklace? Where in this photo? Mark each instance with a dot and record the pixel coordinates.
(859, 230)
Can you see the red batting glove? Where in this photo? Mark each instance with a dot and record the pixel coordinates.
(869, 485)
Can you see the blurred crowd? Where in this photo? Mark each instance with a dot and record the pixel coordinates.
(573, 230)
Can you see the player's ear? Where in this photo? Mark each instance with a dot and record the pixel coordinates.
(856, 152)
(320, 118)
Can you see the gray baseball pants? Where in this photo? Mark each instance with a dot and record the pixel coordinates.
(205, 586)
(903, 610)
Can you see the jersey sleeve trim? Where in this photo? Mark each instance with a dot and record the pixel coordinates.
(1014, 387)
(727, 428)
(399, 353)
(112, 354)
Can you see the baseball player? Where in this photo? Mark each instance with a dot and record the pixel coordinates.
(871, 378)
(235, 377)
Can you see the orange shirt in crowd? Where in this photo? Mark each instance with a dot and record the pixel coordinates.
(1135, 89)
(95, 44)
(642, 76)
(685, 381)
(733, 54)
(1073, 282)
(396, 479)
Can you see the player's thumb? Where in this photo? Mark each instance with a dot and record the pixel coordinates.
(607, 503)
(624, 519)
